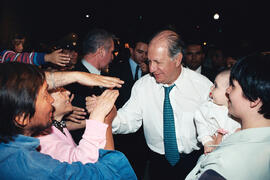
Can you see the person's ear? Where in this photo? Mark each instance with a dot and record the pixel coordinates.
(255, 103)
(131, 50)
(101, 51)
(178, 59)
(22, 120)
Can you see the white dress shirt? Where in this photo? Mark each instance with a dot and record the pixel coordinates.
(211, 117)
(146, 106)
(199, 70)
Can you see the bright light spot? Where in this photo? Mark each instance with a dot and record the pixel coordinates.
(126, 45)
(73, 35)
(216, 16)
(204, 43)
(74, 43)
(87, 16)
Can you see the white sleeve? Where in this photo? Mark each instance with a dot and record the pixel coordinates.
(129, 117)
(202, 124)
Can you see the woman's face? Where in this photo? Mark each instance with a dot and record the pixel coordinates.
(61, 102)
(237, 102)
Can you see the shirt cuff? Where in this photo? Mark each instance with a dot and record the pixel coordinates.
(206, 139)
(95, 128)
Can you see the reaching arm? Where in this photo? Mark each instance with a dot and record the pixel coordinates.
(105, 111)
(109, 136)
(36, 58)
(57, 57)
(62, 78)
(91, 103)
(78, 114)
(28, 58)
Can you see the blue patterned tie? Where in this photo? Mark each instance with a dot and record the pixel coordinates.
(170, 144)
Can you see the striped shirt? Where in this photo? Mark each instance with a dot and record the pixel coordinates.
(28, 58)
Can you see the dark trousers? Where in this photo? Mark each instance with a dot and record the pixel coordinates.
(159, 167)
(135, 148)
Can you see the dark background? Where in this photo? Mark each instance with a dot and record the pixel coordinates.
(47, 22)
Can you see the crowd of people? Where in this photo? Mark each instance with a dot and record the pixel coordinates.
(160, 108)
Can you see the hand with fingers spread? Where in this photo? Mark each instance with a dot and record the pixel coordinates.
(91, 102)
(89, 79)
(104, 105)
(78, 114)
(62, 78)
(58, 58)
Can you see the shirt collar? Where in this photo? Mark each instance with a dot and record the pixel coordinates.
(90, 67)
(199, 69)
(133, 66)
(178, 81)
(132, 63)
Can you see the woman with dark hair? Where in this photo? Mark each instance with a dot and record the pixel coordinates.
(245, 154)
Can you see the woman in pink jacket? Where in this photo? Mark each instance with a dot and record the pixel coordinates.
(57, 141)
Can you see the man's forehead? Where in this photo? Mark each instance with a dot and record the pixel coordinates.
(139, 44)
(194, 47)
(157, 45)
(142, 48)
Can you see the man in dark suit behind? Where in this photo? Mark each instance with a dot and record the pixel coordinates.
(129, 70)
(194, 58)
(126, 69)
(98, 48)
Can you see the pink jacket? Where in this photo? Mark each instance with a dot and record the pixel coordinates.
(63, 147)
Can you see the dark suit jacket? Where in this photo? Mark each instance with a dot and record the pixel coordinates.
(209, 73)
(123, 71)
(81, 92)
